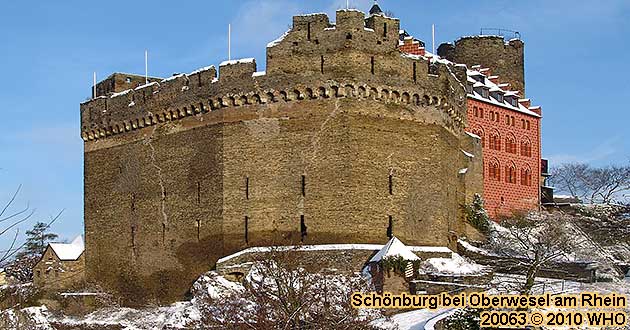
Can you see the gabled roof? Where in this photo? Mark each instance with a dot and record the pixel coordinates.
(394, 248)
(69, 251)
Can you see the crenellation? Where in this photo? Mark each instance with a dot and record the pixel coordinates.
(384, 27)
(288, 64)
(238, 70)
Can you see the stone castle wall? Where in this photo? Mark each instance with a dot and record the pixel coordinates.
(506, 59)
(343, 140)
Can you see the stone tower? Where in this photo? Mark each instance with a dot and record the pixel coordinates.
(343, 139)
(505, 59)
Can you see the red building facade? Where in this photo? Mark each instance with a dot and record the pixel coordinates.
(509, 129)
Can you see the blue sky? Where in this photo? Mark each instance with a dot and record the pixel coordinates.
(576, 68)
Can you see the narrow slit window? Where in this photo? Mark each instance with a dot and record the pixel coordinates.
(372, 65)
(384, 30)
(303, 228)
(391, 184)
(246, 229)
(303, 185)
(322, 64)
(198, 230)
(390, 227)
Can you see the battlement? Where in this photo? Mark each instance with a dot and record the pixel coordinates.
(356, 57)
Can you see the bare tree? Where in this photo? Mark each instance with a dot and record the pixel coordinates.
(532, 241)
(11, 219)
(279, 294)
(596, 185)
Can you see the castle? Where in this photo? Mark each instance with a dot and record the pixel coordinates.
(343, 139)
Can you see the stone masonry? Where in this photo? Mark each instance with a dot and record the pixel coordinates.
(344, 139)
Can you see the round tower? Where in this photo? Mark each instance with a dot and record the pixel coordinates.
(504, 58)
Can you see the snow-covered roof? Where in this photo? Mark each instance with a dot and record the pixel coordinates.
(394, 248)
(69, 251)
(487, 83)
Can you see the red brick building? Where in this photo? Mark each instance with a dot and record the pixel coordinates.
(509, 129)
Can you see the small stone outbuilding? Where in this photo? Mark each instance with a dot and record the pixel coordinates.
(61, 266)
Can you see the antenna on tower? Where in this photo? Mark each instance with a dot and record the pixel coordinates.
(229, 42)
(94, 86)
(146, 66)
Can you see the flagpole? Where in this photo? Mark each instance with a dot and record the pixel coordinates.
(146, 66)
(94, 86)
(433, 34)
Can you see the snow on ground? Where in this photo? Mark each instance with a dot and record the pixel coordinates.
(456, 265)
(177, 316)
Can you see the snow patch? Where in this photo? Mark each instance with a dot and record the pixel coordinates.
(456, 265)
(279, 40)
(243, 60)
(204, 69)
(468, 154)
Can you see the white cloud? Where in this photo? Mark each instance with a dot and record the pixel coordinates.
(601, 152)
(258, 22)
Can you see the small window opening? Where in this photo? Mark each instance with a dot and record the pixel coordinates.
(384, 30)
(322, 64)
(349, 36)
(198, 230)
(390, 228)
(303, 228)
(303, 185)
(372, 65)
(391, 184)
(246, 229)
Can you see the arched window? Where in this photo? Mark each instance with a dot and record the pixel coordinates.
(510, 144)
(510, 173)
(495, 141)
(526, 177)
(494, 170)
(526, 148)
